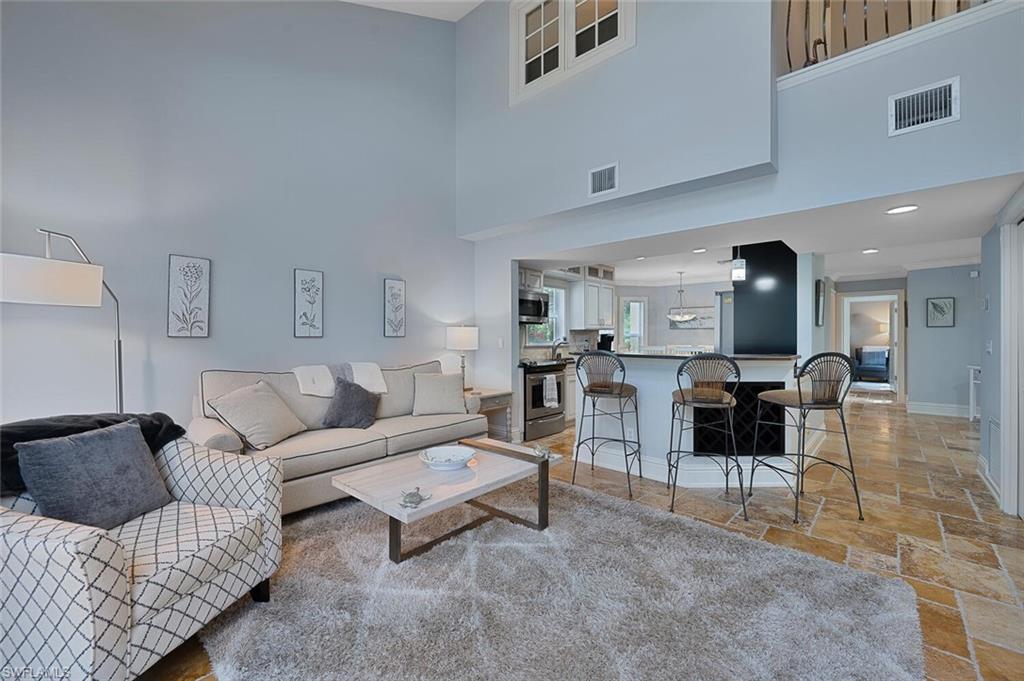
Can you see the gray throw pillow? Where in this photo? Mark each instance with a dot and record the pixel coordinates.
(101, 478)
(352, 406)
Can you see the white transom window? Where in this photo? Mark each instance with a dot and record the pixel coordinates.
(551, 40)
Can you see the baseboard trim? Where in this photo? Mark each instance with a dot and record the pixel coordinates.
(987, 479)
(937, 409)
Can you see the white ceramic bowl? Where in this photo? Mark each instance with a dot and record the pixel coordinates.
(447, 458)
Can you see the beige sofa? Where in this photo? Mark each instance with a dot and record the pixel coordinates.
(311, 458)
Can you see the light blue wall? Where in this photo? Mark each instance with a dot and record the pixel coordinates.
(697, 68)
(990, 361)
(832, 148)
(937, 358)
(265, 136)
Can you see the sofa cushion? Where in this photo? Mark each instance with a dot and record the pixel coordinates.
(315, 451)
(398, 400)
(406, 433)
(174, 550)
(258, 414)
(216, 382)
(438, 394)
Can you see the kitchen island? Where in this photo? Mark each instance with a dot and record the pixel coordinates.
(654, 376)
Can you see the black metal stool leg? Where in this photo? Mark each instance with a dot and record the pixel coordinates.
(753, 458)
(625, 446)
(593, 431)
(579, 440)
(799, 466)
(739, 468)
(671, 437)
(639, 459)
(849, 456)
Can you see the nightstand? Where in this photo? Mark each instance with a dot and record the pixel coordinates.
(496, 405)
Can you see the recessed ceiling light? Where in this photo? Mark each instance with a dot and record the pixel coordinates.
(869, 251)
(700, 250)
(641, 257)
(897, 210)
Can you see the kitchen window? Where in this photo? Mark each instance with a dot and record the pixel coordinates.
(633, 323)
(554, 328)
(551, 40)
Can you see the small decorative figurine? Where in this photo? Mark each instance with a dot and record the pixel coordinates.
(413, 499)
(542, 452)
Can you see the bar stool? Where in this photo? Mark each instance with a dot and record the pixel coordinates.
(829, 374)
(602, 375)
(707, 374)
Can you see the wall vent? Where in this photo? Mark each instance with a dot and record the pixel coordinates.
(604, 180)
(924, 107)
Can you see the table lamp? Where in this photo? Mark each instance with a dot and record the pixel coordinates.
(462, 338)
(47, 281)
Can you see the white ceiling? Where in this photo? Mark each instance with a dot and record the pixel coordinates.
(449, 10)
(946, 230)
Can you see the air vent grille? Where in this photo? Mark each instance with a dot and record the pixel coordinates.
(924, 107)
(604, 180)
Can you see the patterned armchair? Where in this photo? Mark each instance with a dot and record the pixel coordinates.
(106, 604)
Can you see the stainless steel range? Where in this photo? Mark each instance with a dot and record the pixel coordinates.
(541, 420)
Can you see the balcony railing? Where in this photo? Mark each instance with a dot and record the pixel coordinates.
(817, 30)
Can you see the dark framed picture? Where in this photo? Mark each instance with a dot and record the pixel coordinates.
(308, 306)
(188, 296)
(819, 302)
(940, 312)
(394, 308)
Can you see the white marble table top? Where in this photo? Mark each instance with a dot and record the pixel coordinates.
(381, 483)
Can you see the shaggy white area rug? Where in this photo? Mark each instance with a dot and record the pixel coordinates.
(611, 590)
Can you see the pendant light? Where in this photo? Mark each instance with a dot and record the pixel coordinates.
(739, 267)
(679, 315)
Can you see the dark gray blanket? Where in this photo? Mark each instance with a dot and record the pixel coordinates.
(157, 428)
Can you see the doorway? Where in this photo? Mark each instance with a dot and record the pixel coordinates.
(872, 334)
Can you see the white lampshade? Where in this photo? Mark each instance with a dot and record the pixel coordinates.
(462, 338)
(44, 281)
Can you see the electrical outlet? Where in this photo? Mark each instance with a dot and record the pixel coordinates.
(501, 343)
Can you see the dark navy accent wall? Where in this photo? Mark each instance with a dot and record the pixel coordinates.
(764, 306)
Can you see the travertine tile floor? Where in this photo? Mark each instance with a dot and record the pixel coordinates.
(929, 519)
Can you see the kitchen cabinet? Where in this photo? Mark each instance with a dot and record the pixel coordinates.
(592, 305)
(570, 393)
(532, 279)
(606, 307)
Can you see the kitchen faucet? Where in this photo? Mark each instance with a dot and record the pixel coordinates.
(557, 343)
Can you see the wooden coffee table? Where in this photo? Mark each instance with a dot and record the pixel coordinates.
(382, 483)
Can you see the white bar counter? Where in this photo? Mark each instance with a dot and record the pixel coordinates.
(655, 379)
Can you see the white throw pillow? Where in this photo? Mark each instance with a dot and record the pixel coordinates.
(438, 394)
(258, 414)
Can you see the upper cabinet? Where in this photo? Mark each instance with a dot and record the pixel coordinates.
(592, 300)
(532, 279)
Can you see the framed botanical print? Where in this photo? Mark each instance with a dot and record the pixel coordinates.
(308, 305)
(940, 312)
(188, 297)
(394, 308)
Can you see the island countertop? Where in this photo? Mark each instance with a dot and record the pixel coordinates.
(738, 358)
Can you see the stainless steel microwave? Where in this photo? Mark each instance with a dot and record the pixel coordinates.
(533, 306)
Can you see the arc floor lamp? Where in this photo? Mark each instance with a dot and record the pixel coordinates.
(48, 281)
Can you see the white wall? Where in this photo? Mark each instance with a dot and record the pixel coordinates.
(696, 66)
(661, 298)
(265, 136)
(832, 148)
(864, 320)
